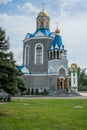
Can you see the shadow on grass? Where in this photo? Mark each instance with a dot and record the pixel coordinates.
(4, 113)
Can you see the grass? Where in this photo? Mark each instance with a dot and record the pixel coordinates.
(44, 114)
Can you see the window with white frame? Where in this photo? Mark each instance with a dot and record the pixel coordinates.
(39, 54)
(26, 60)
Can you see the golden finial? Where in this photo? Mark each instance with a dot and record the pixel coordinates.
(57, 25)
(43, 6)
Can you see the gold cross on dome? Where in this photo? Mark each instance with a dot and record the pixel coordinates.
(43, 6)
(57, 25)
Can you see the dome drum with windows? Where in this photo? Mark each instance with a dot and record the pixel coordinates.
(43, 20)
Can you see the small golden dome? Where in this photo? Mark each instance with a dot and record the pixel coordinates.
(57, 31)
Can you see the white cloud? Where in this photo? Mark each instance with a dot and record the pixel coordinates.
(17, 24)
(68, 3)
(74, 31)
(28, 8)
(5, 1)
(67, 6)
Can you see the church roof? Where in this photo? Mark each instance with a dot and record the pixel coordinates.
(40, 32)
(57, 43)
(28, 35)
(23, 69)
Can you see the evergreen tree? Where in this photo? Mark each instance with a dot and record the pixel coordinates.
(4, 43)
(10, 80)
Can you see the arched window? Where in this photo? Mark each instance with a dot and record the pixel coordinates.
(39, 54)
(26, 57)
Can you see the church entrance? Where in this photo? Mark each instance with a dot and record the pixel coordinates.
(61, 83)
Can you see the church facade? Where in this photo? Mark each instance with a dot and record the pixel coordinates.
(44, 57)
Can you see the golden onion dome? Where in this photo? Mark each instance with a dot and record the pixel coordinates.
(42, 13)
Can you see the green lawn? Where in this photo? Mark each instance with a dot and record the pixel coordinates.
(44, 114)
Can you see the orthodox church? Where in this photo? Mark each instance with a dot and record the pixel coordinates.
(45, 64)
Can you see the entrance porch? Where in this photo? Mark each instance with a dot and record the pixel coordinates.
(62, 83)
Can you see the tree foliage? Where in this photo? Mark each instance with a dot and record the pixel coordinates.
(82, 79)
(10, 80)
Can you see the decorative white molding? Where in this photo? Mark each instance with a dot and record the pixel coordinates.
(61, 78)
(43, 74)
(53, 35)
(51, 46)
(63, 68)
(39, 37)
(51, 70)
(27, 36)
(25, 70)
(56, 46)
(39, 34)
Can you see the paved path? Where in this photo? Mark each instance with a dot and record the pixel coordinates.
(83, 96)
(79, 97)
(83, 93)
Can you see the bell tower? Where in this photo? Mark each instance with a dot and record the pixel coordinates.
(58, 63)
(57, 50)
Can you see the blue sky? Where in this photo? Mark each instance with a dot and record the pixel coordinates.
(19, 17)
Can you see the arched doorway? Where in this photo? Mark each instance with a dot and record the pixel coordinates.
(62, 83)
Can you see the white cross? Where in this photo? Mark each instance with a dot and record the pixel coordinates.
(43, 6)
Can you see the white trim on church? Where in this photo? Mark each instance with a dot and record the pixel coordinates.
(39, 37)
(51, 70)
(26, 55)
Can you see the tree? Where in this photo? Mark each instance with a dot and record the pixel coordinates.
(4, 43)
(82, 79)
(10, 80)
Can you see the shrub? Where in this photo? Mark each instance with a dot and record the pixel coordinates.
(37, 91)
(28, 91)
(45, 92)
(32, 91)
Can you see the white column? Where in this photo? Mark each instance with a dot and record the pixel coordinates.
(74, 84)
(52, 55)
(59, 55)
(55, 54)
(49, 55)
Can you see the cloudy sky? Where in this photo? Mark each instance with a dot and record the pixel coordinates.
(18, 17)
